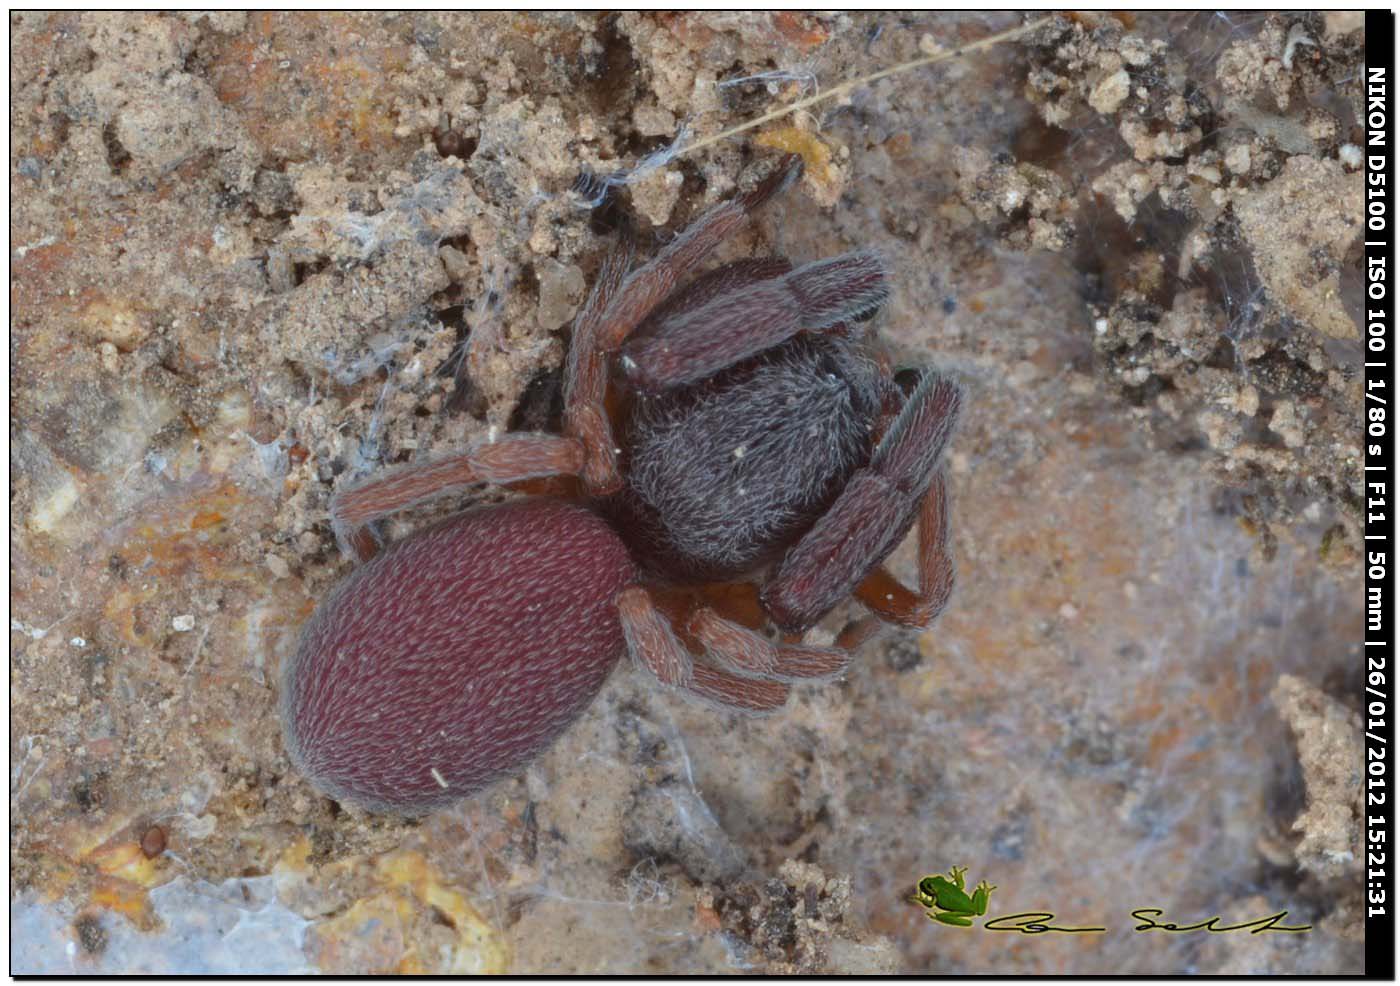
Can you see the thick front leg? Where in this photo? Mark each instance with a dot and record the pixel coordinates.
(696, 341)
(873, 513)
(510, 459)
(619, 303)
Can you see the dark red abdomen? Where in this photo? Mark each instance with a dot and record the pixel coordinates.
(456, 656)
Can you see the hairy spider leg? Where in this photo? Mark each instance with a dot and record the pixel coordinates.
(751, 655)
(722, 280)
(723, 621)
(902, 484)
(586, 379)
(620, 302)
(509, 459)
(654, 645)
(695, 341)
(886, 596)
(864, 629)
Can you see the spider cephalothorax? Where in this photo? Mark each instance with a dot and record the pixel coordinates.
(757, 467)
(717, 484)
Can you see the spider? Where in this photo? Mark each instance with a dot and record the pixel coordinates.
(757, 465)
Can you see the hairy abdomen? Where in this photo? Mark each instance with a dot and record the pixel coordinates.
(456, 656)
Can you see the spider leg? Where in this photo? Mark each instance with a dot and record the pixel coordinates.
(734, 693)
(750, 654)
(586, 379)
(722, 280)
(872, 514)
(509, 459)
(694, 342)
(652, 283)
(860, 632)
(886, 596)
(620, 302)
(650, 639)
(654, 645)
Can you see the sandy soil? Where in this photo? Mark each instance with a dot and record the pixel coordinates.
(255, 256)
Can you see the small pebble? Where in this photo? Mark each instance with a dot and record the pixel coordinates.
(153, 842)
(183, 623)
(929, 46)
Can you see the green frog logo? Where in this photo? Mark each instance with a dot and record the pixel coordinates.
(946, 900)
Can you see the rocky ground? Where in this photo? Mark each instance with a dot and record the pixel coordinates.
(255, 256)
